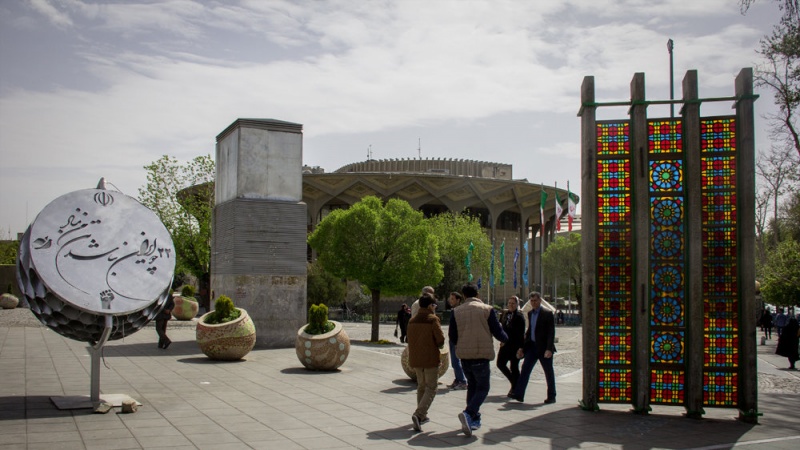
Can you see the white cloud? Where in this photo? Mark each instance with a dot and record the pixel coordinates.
(171, 75)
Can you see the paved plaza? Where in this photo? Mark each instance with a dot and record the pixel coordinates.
(269, 401)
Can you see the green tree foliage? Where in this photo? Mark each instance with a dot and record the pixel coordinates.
(8, 252)
(185, 213)
(781, 275)
(388, 248)
(323, 287)
(454, 232)
(562, 261)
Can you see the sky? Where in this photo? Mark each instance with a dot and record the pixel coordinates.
(101, 88)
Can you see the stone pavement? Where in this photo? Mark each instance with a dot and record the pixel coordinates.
(269, 401)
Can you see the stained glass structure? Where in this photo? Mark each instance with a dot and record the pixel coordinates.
(615, 282)
(668, 224)
(720, 264)
(667, 262)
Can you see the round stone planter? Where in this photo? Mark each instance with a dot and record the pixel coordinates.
(8, 301)
(227, 341)
(184, 309)
(444, 358)
(325, 351)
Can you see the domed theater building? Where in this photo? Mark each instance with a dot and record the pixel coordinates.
(508, 209)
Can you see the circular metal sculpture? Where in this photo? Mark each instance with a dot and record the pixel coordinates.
(92, 257)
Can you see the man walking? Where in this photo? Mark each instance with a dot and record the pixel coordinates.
(425, 338)
(472, 326)
(514, 325)
(539, 346)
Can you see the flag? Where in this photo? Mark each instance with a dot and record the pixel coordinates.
(468, 261)
(516, 260)
(491, 269)
(571, 209)
(559, 210)
(541, 210)
(503, 262)
(525, 269)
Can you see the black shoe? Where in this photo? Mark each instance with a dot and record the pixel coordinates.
(549, 401)
(517, 398)
(167, 344)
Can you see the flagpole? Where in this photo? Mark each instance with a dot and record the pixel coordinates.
(541, 245)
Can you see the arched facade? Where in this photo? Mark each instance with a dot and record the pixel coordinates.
(508, 209)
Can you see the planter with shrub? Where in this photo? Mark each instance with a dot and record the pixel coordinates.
(322, 344)
(186, 305)
(227, 333)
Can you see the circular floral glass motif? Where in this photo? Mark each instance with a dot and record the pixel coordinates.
(667, 212)
(667, 278)
(666, 347)
(665, 175)
(667, 310)
(666, 243)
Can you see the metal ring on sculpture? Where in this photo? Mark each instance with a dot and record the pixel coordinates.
(91, 254)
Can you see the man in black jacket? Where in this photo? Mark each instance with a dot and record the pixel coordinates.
(514, 325)
(539, 346)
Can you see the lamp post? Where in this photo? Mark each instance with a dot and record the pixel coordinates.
(670, 46)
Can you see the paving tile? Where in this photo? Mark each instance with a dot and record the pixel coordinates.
(112, 444)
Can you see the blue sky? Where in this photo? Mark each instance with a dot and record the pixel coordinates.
(92, 89)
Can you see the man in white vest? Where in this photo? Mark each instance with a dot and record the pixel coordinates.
(472, 326)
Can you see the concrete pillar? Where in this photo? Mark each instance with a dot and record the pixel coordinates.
(694, 247)
(589, 242)
(640, 208)
(259, 226)
(746, 188)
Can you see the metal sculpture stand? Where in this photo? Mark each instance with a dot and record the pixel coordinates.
(94, 401)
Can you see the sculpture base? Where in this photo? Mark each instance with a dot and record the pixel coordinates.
(65, 402)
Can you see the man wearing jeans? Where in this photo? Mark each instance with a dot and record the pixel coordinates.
(472, 326)
(460, 382)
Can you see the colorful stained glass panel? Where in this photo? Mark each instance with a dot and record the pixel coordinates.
(720, 388)
(664, 136)
(667, 386)
(614, 385)
(613, 138)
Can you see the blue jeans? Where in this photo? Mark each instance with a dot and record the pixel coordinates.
(477, 372)
(456, 364)
(533, 354)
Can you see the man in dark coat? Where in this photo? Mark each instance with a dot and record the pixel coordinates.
(162, 318)
(539, 346)
(787, 342)
(425, 338)
(513, 324)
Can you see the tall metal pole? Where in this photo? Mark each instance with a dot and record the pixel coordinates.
(670, 46)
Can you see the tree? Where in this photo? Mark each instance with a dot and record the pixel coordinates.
(388, 248)
(454, 232)
(781, 73)
(778, 169)
(562, 261)
(790, 8)
(323, 287)
(8, 252)
(186, 213)
(780, 275)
